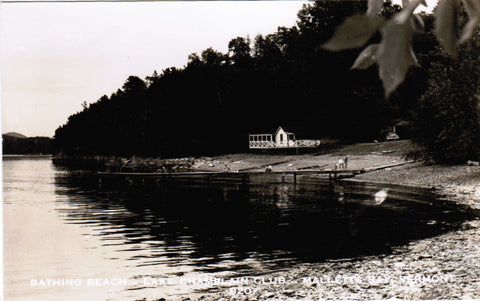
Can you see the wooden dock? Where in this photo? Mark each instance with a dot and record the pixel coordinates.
(213, 176)
(243, 175)
(330, 173)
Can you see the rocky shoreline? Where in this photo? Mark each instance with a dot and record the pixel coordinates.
(365, 155)
(444, 267)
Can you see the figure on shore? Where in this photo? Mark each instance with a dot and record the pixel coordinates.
(341, 163)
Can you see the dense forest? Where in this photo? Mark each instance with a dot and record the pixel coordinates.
(282, 79)
(20, 145)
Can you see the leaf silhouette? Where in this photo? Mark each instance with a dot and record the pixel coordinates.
(473, 10)
(417, 24)
(445, 25)
(394, 55)
(354, 32)
(366, 58)
(472, 7)
(374, 8)
(407, 11)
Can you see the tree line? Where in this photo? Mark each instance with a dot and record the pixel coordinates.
(281, 79)
(29, 145)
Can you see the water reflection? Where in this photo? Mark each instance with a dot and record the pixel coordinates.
(380, 196)
(58, 224)
(244, 225)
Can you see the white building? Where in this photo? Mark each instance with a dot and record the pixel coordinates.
(279, 139)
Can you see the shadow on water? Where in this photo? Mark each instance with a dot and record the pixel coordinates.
(199, 221)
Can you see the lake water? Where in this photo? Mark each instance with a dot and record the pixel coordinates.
(67, 239)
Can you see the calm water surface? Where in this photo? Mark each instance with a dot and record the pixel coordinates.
(59, 226)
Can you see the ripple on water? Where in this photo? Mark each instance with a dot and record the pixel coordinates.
(189, 228)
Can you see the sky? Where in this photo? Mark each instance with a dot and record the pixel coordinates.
(55, 56)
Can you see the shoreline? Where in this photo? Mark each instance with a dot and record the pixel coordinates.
(26, 156)
(361, 156)
(452, 257)
(442, 267)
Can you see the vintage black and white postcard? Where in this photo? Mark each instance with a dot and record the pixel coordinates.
(240, 150)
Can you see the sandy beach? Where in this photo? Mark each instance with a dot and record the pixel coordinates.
(442, 267)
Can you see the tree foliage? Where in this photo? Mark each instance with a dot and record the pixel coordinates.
(446, 122)
(283, 78)
(446, 119)
(394, 54)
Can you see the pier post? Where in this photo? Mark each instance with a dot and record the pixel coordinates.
(332, 177)
(294, 178)
(244, 179)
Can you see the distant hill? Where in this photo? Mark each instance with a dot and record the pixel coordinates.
(15, 134)
(18, 144)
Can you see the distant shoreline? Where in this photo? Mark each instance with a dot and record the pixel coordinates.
(25, 156)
